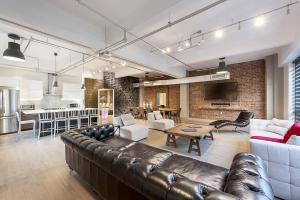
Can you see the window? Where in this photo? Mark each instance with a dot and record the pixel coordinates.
(297, 89)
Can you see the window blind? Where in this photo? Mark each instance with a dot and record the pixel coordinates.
(297, 89)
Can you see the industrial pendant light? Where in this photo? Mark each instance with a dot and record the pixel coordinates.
(13, 51)
(146, 81)
(82, 75)
(55, 83)
(222, 69)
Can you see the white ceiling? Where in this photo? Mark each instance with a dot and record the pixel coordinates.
(68, 19)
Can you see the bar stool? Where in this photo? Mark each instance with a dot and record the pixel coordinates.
(93, 116)
(45, 118)
(84, 115)
(25, 122)
(72, 117)
(60, 117)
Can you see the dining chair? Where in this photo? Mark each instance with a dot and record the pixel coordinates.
(73, 119)
(93, 116)
(25, 122)
(84, 118)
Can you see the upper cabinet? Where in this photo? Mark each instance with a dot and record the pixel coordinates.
(72, 91)
(31, 90)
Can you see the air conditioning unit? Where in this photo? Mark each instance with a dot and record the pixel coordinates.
(216, 77)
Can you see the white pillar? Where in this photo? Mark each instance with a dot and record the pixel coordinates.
(141, 95)
(184, 100)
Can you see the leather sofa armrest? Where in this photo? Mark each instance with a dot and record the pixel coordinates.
(247, 178)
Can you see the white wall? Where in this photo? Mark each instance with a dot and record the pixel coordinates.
(274, 88)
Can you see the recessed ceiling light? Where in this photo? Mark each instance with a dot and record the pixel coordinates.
(113, 67)
(259, 21)
(168, 49)
(123, 64)
(99, 70)
(106, 68)
(219, 34)
(94, 73)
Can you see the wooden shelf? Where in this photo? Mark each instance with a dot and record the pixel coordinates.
(230, 108)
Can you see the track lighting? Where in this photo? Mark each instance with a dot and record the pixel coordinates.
(106, 68)
(55, 83)
(168, 49)
(219, 34)
(187, 44)
(179, 48)
(113, 67)
(82, 74)
(288, 11)
(99, 70)
(239, 26)
(13, 51)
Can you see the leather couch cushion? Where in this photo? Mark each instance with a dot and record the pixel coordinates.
(148, 154)
(204, 173)
(116, 142)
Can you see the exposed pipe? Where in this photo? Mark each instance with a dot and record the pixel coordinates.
(43, 33)
(125, 29)
(197, 12)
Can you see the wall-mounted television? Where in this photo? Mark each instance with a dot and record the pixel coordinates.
(227, 91)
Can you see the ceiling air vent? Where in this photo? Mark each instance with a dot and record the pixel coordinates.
(215, 77)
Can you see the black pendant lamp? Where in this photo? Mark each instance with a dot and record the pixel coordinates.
(13, 51)
(55, 83)
(146, 81)
(222, 69)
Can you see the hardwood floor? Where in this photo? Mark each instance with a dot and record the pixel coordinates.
(32, 169)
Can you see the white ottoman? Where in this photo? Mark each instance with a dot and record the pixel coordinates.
(134, 132)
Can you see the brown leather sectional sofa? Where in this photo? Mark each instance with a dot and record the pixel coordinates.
(117, 168)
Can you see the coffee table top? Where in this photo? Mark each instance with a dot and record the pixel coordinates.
(177, 130)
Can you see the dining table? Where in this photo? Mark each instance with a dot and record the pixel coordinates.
(165, 110)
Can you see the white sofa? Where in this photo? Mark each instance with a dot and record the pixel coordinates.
(133, 132)
(282, 160)
(159, 124)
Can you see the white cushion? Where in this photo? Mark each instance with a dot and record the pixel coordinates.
(134, 132)
(294, 140)
(282, 123)
(162, 125)
(266, 134)
(157, 115)
(127, 119)
(277, 129)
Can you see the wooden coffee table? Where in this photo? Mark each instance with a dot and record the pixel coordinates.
(194, 137)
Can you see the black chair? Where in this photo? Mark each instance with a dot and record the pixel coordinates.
(243, 120)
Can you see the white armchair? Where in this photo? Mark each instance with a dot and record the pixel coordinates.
(282, 160)
(159, 124)
(134, 131)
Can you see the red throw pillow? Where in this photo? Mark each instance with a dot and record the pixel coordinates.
(294, 130)
(267, 139)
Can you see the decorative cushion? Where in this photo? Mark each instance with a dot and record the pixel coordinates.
(127, 119)
(294, 130)
(157, 115)
(294, 140)
(118, 121)
(279, 126)
(276, 129)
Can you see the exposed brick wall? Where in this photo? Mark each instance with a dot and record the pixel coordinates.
(125, 94)
(173, 94)
(91, 92)
(251, 85)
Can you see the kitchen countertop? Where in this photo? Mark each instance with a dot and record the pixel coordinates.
(37, 111)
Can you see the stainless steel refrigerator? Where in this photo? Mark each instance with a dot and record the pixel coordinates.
(9, 105)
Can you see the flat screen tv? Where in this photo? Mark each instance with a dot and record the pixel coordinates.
(227, 91)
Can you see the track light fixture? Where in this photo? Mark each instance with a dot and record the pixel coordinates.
(55, 83)
(13, 51)
(258, 21)
(82, 75)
